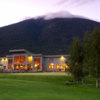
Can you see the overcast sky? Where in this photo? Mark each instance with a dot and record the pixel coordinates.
(12, 11)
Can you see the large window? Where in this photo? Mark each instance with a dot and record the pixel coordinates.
(36, 63)
(16, 59)
(22, 59)
(19, 59)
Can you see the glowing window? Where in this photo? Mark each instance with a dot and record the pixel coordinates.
(10, 67)
(22, 59)
(67, 67)
(19, 59)
(58, 66)
(29, 66)
(36, 66)
(63, 66)
(21, 67)
(36, 60)
(51, 66)
(36, 63)
(16, 59)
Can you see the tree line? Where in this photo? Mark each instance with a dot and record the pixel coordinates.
(84, 57)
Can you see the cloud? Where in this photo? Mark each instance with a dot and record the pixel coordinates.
(61, 14)
(77, 2)
(60, 2)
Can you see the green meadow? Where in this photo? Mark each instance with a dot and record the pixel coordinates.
(45, 86)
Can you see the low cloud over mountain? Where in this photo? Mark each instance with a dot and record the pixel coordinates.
(61, 14)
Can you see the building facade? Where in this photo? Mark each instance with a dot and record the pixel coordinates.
(22, 59)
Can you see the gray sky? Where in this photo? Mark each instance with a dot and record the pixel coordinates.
(12, 11)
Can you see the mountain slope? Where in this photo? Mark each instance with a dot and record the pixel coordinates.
(51, 36)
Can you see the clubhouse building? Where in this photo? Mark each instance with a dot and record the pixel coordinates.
(21, 59)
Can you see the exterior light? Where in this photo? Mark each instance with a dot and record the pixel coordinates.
(62, 58)
(30, 58)
(2, 60)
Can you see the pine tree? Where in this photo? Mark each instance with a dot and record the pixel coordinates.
(86, 52)
(76, 60)
(94, 61)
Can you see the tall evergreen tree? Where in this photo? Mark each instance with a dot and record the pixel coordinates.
(76, 60)
(86, 52)
(95, 55)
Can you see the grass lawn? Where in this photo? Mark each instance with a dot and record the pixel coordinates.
(43, 86)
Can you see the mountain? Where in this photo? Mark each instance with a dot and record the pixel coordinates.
(52, 36)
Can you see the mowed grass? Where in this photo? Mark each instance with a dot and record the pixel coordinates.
(44, 86)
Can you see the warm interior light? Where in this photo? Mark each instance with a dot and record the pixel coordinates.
(58, 66)
(36, 66)
(51, 66)
(67, 67)
(31, 67)
(21, 67)
(17, 67)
